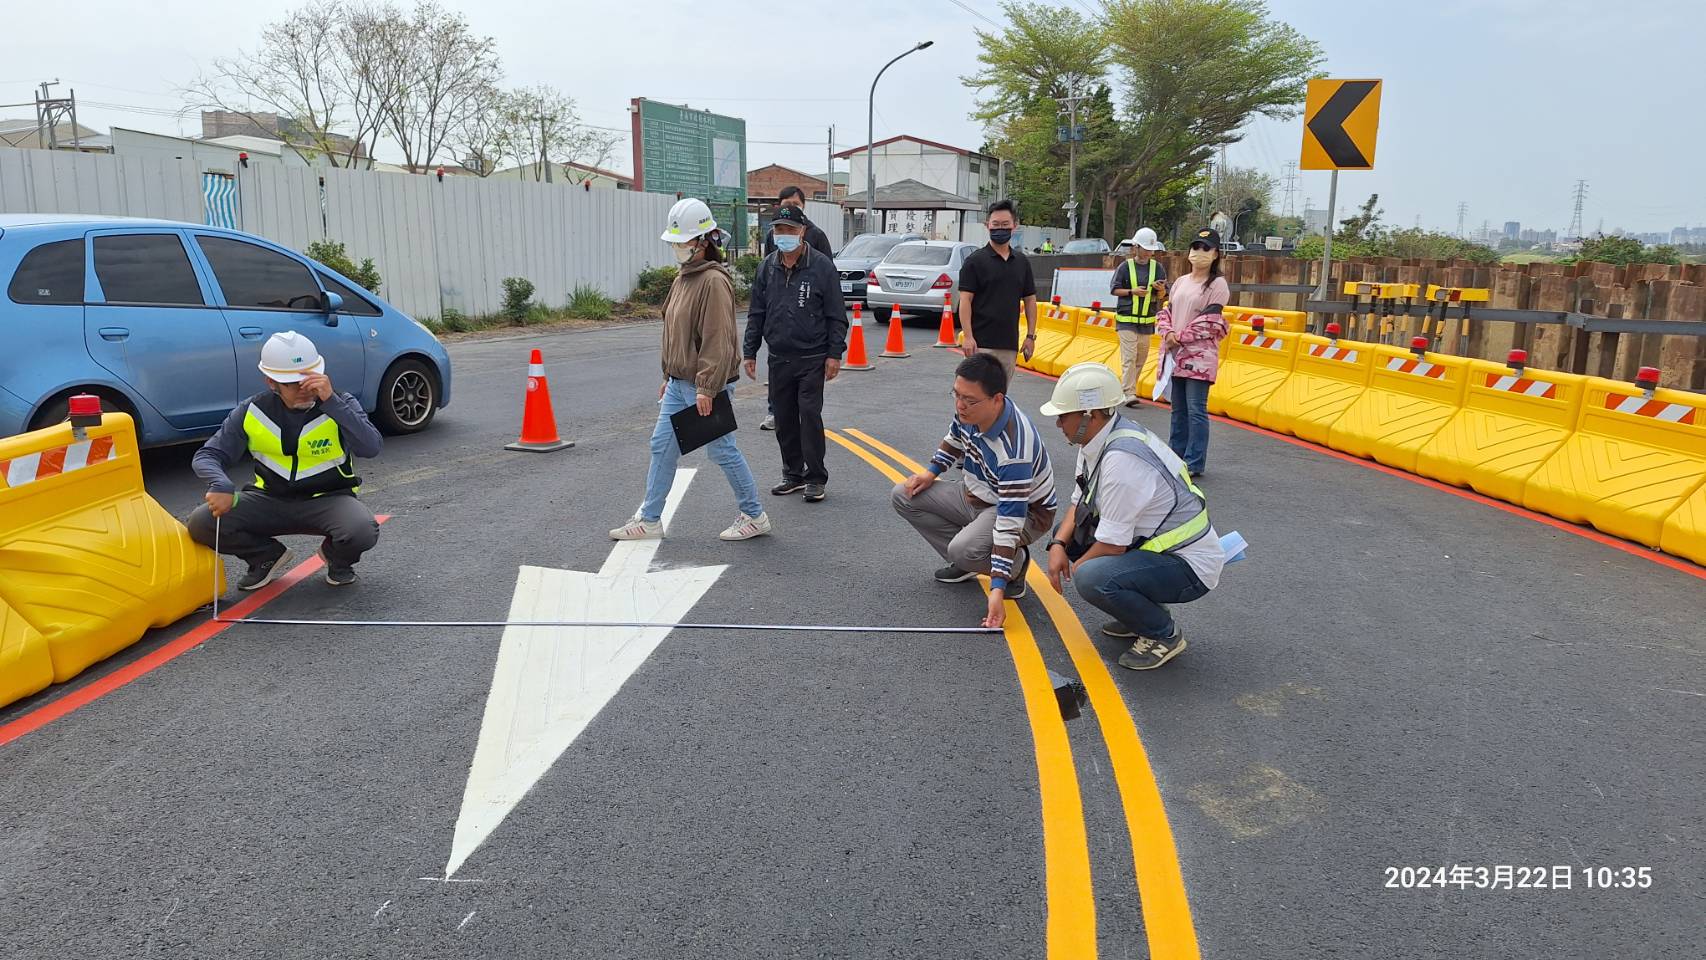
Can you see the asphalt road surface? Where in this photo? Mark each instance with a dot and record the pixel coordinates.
(1397, 681)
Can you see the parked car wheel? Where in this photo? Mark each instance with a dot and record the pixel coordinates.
(57, 409)
(408, 397)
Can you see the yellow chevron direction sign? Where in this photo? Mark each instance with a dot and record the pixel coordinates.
(1340, 119)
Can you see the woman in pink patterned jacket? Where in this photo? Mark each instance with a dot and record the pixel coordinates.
(1191, 330)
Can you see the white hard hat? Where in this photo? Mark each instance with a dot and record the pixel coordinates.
(289, 356)
(689, 218)
(1084, 386)
(1145, 238)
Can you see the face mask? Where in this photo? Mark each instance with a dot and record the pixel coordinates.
(787, 243)
(1000, 235)
(1201, 258)
(683, 252)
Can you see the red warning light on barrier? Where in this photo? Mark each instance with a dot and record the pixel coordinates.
(1647, 376)
(1258, 323)
(1333, 330)
(1517, 358)
(1418, 345)
(85, 405)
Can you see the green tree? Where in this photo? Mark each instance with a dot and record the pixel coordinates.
(1364, 225)
(1626, 250)
(1193, 73)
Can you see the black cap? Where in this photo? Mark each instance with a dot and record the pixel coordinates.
(793, 215)
(1210, 237)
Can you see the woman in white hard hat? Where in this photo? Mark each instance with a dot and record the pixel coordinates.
(1137, 536)
(701, 358)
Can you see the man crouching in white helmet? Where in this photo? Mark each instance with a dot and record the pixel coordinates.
(304, 438)
(1137, 536)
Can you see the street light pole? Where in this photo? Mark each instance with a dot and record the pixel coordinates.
(870, 135)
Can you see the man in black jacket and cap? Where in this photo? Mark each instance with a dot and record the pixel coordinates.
(797, 311)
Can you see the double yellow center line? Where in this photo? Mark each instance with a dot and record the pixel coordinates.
(1066, 852)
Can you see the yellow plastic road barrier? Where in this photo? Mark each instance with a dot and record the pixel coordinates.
(1512, 420)
(25, 666)
(1055, 328)
(1411, 395)
(87, 558)
(1253, 364)
(1633, 461)
(1290, 321)
(1327, 376)
(1095, 340)
(1684, 532)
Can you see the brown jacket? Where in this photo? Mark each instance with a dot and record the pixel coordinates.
(699, 338)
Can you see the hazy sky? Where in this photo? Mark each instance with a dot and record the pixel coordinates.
(1500, 104)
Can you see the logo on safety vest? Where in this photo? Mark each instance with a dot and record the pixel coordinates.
(319, 446)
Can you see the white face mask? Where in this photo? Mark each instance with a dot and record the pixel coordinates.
(1201, 258)
(683, 251)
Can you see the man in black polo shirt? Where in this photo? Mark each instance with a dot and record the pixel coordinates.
(798, 311)
(815, 237)
(994, 282)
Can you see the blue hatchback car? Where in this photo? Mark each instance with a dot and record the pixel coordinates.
(165, 321)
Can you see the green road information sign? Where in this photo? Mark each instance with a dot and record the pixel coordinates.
(695, 153)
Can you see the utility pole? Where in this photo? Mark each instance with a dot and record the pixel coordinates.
(1575, 232)
(829, 178)
(50, 111)
(1462, 212)
(1071, 101)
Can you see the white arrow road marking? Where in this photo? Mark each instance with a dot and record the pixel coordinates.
(550, 682)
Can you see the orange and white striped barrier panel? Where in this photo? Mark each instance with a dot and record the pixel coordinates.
(1512, 420)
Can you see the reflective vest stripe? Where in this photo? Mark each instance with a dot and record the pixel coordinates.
(1143, 314)
(319, 450)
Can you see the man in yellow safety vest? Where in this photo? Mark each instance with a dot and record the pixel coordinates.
(1137, 536)
(1140, 283)
(303, 437)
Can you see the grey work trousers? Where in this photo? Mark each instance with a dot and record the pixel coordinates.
(250, 530)
(961, 531)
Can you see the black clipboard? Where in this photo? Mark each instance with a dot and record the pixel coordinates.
(693, 431)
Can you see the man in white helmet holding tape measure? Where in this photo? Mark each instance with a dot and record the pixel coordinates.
(1137, 536)
(303, 437)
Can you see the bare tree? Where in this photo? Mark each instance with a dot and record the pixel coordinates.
(369, 36)
(488, 137)
(300, 72)
(547, 130)
(445, 74)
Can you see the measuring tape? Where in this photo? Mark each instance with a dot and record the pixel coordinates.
(632, 624)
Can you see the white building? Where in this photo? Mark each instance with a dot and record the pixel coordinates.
(223, 155)
(967, 174)
(569, 174)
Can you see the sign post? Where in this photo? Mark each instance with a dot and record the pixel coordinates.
(1340, 121)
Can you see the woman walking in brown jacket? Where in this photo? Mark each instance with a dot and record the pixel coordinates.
(701, 358)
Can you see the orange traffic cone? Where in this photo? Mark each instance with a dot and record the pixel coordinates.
(948, 336)
(538, 423)
(856, 359)
(896, 347)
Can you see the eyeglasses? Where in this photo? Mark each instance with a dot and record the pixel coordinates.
(961, 400)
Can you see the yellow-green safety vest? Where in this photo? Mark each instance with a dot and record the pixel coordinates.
(1144, 314)
(310, 463)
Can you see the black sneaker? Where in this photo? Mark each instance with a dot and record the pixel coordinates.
(337, 576)
(815, 493)
(264, 572)
(788, 486)
(1116, 629)
(1147, 654)
(953, 574)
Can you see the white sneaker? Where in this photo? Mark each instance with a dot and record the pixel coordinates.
(637, 529)
(745, 528)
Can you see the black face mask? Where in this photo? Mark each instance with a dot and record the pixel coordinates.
(1000, 236)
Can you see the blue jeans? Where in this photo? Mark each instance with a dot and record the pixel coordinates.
(1133, 587)
(1190, 422)
(679, 395)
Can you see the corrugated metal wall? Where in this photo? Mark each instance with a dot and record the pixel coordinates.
(437, 245)
(36, 181)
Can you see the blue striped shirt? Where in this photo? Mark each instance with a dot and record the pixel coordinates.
(1007, 467)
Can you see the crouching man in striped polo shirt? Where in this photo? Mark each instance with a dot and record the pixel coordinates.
(985, 523)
